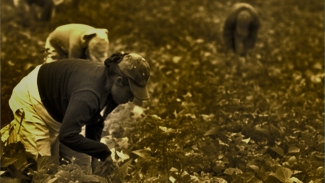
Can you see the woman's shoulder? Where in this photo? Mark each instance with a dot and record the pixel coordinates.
(73, 65)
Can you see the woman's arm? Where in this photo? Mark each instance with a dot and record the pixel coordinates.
(82, 108)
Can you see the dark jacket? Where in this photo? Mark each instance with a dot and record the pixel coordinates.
(72, 91)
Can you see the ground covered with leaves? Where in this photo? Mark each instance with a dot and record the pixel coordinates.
(212, 116)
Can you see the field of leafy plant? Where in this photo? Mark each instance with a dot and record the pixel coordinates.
(212, 116)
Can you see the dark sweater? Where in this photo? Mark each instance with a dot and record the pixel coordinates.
(71, 91)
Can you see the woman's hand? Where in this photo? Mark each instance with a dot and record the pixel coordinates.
(104, 167)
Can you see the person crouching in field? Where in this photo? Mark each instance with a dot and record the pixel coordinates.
(241, 28)
(56, 100)
(77, 41)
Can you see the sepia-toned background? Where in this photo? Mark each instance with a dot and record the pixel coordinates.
(211, 114)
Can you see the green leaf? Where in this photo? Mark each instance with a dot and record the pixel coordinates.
(14, 173)
(254, 167)
(271, 179)
(282, 174)
(24, 166)
(246, 140)
(44, 161)
(295, 180)
(252, 179)
(7, 161)
(320, 171)
(142, 153)
(93, 179)
(218, 180)
(172, 169)
(9, 180)
(292, 160)
(124, 169)
(52, 180)
(101, 179)
(21, 160)
(293, 149)
(212, 131)
(278, 150)
(265, 131)
(65, 175)
(123, 142)
(122, 156)
(166, 130)
(172, 179)
(186, 178)
(231, 171)
(89, 178)
(238, 140)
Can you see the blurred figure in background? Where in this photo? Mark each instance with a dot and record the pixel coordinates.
(77, 41)
(241, 28)
(42, 10)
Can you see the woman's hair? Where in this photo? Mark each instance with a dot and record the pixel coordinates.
(112, 65)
